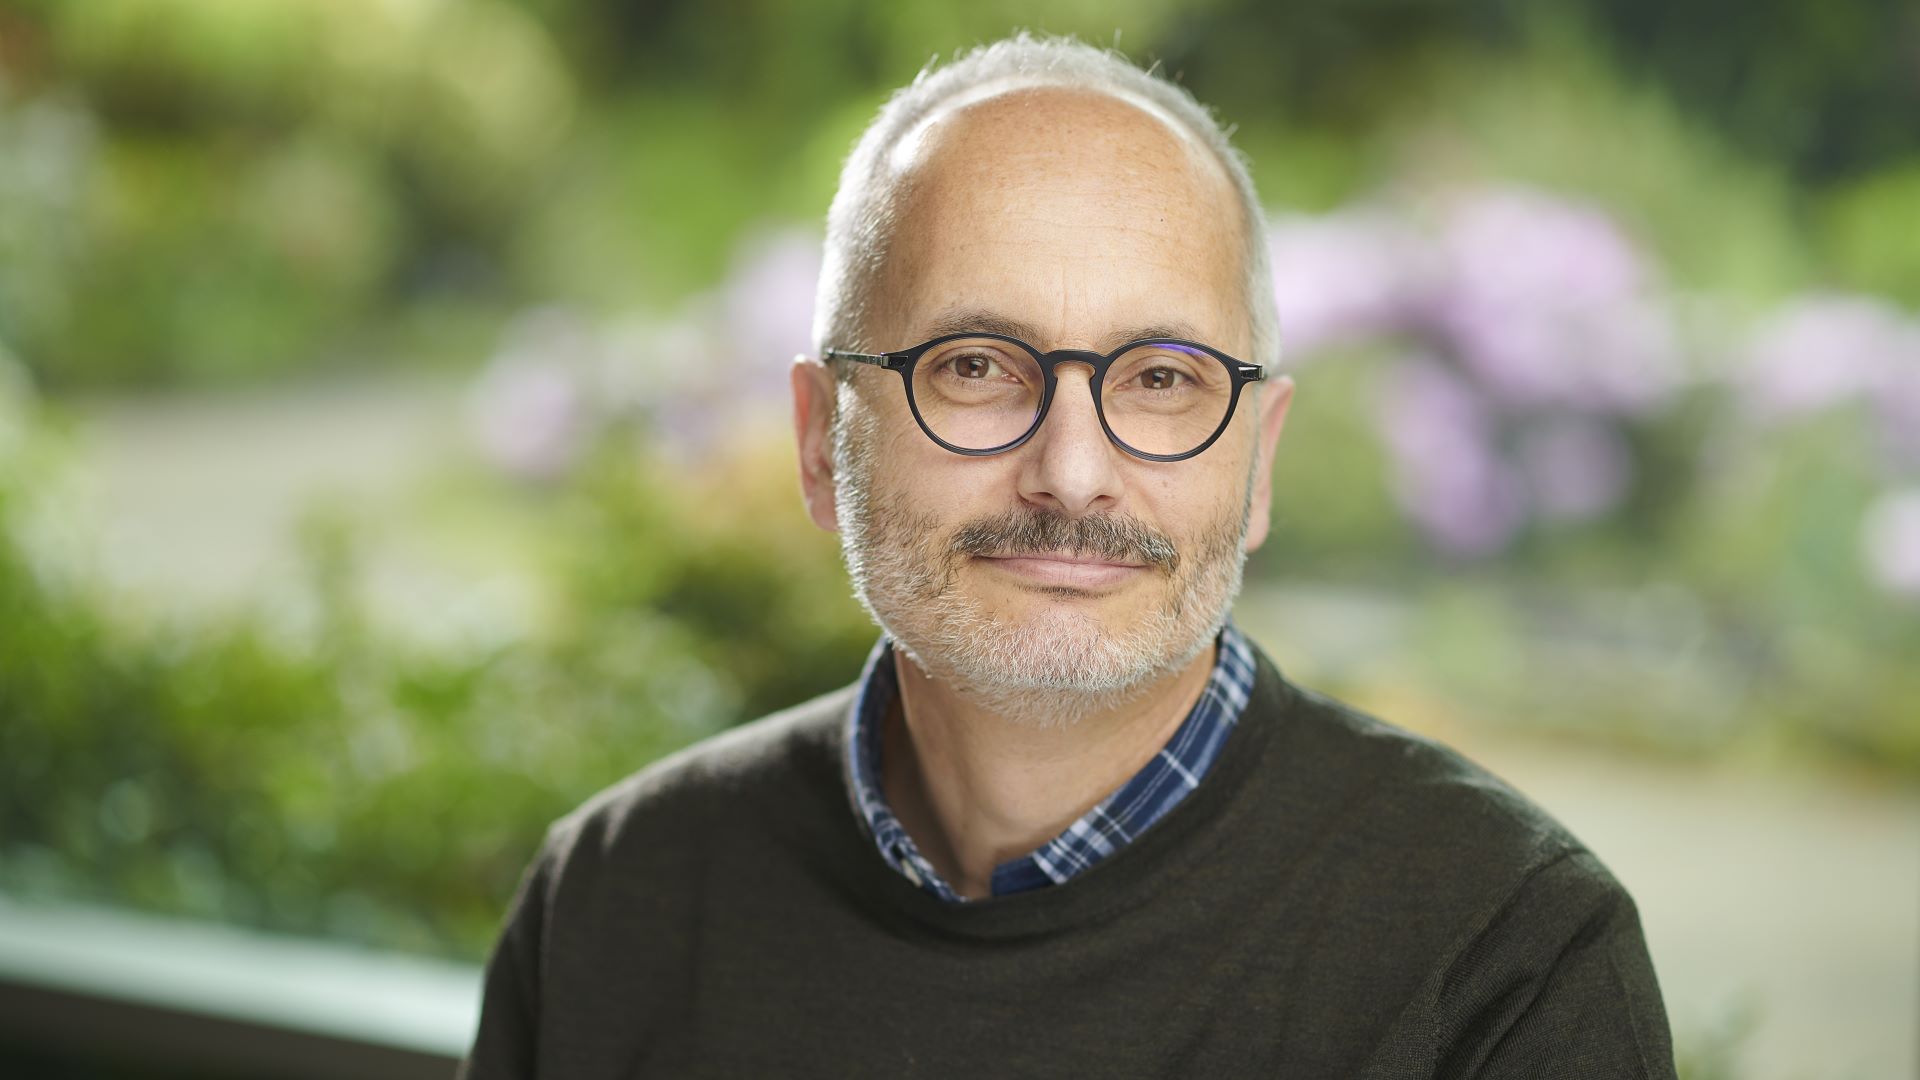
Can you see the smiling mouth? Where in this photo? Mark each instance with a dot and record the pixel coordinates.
(1056, 571)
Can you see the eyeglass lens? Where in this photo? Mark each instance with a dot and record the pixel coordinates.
(981, 393)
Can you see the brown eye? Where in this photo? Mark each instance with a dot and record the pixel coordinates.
(1160, 378)
(971, 367)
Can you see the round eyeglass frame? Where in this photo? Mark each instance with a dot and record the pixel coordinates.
(903, 361)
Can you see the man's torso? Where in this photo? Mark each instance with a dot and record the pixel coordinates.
(1338, 899)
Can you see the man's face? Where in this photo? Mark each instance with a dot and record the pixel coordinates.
(1071, 221)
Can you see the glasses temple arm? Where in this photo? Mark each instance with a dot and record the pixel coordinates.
(876, 359)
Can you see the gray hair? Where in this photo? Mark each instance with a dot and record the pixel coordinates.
(862, 217)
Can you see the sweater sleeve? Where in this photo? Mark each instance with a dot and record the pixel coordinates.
(504, 1046)
(1558, 984)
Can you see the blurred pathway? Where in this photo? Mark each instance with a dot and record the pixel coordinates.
(199, 501)
(1794, 896)
(199, 497)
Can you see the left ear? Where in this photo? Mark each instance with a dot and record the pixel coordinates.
(1274, 401)
(813, 403)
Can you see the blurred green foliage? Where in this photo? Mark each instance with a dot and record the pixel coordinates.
(1558, 116)
(1868, 227)
(199, 191)
(359, 786)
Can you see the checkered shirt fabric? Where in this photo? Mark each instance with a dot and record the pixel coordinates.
(1144, 799)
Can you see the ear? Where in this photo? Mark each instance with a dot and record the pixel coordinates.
(1273, 415)
(813, 400)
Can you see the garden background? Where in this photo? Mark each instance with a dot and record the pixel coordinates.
(392, 445)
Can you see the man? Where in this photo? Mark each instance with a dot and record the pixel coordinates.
(1068, 822)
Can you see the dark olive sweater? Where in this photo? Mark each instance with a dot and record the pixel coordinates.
(1339, 898)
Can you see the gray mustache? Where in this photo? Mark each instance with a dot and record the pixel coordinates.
(1049, 532)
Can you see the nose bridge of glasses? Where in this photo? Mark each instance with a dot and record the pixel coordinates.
(1075, 361)
(1074, 366)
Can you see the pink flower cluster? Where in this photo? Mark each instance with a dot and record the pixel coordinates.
(1530, 329)
(1839, 350)
(1834, 351)
(559, 379)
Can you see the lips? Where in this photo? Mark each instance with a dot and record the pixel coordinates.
(1067, 571)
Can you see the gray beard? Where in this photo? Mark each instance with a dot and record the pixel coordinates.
(1047, 671)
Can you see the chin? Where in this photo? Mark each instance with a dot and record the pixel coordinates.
(1046, 643)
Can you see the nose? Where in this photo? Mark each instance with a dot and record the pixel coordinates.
(1069, 465)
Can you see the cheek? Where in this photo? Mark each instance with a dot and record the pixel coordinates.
(884, 430)
(932, 481)
(919, 479)
(1173, 497)
(1205, 508)
(958, 490)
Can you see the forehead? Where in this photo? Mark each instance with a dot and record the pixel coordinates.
(1067, 210)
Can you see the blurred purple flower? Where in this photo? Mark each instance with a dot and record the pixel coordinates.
(1890, 542)
(529, 411)
(767, 308)
(690, 383)
(1449, 477)
(1897, 405)
(678, 379)
(649, 366)
(1819, 352)
(1577, 468)
(1344, 277)
(1547, 303)
(1834, 350)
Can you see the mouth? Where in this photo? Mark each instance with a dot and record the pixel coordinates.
(1055, 571)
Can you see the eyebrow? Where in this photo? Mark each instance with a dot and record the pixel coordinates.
(982, 321)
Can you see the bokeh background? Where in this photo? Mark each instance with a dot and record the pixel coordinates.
(393, 447)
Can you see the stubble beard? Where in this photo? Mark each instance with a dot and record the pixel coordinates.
(1050, 667)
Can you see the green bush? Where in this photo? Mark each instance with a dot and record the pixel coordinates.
(359, 787)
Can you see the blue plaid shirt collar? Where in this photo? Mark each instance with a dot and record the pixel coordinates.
(1157, 788)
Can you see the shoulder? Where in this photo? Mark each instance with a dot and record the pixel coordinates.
(1416, 778)
(775, 761)
(1409, 808)
(1441, 858)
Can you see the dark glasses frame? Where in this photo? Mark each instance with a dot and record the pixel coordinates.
(1239, 372)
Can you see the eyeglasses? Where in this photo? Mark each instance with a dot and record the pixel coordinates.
(1163, 399)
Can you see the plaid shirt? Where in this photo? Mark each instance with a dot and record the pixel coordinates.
(1157, 788)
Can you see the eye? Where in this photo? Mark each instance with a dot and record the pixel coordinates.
(973, 366)
(1162, 378)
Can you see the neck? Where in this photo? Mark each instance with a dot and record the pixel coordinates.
(975, 788)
